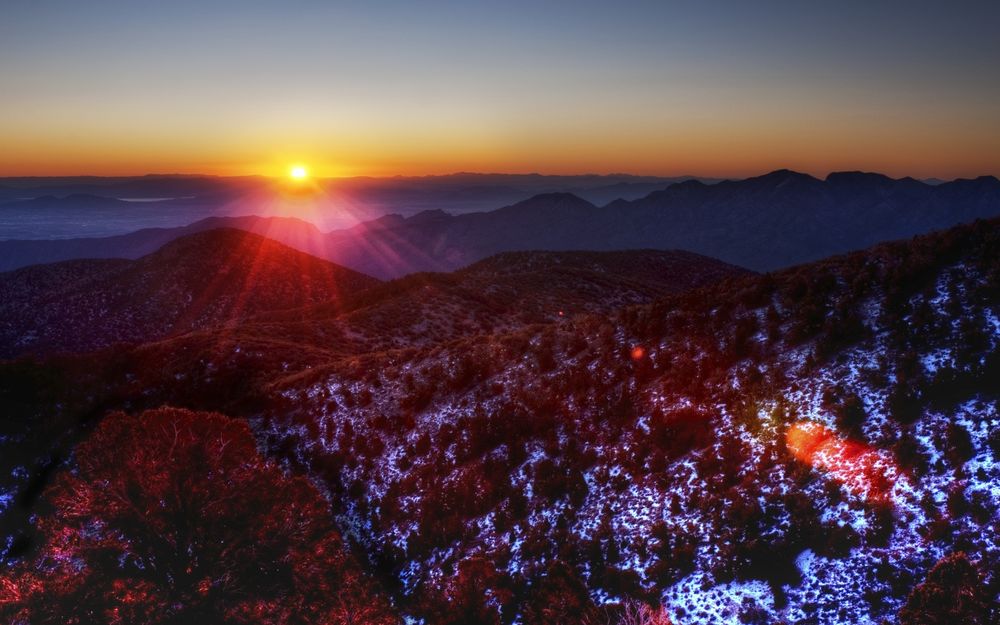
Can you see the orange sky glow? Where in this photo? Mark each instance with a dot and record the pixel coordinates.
(239, 88)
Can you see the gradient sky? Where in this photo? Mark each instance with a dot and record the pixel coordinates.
(379, 88)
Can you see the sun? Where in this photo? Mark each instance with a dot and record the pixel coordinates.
(298, 172)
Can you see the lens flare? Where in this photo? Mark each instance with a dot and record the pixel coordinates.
(862, 469)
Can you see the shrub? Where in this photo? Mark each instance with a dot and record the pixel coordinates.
(952, 593)
(174, 517)
(631, 613)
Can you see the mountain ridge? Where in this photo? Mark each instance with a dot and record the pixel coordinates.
(766, 222)
(203, 280)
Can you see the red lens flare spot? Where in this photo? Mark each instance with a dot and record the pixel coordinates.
(638, 352)
(862, 470)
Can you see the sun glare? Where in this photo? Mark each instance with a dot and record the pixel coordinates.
(298, 172)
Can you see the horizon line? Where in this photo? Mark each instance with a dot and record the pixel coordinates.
(585, 174)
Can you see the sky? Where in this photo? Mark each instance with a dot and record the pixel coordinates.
(709, 88)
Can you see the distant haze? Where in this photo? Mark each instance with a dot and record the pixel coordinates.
(87, 206)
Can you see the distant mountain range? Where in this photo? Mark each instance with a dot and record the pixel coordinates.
(763, 223)
(51, 208)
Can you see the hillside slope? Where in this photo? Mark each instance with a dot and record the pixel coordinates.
(775, 448)
(804, 446)
(50, 401)
(499, 294)
(18, 253)
(200, 281)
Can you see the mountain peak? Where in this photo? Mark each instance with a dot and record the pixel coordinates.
(783, 174)
(558, 195)
(429, 216)
(842, 177)
(980, 182)
(692, 183)
(203, 280)
(215, 241)
(563, 199)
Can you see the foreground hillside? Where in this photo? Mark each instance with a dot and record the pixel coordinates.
(51, 403)
(803, 446)
(817, 445)
(204, 280)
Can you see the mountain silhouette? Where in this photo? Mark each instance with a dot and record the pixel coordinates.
(763, 223)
